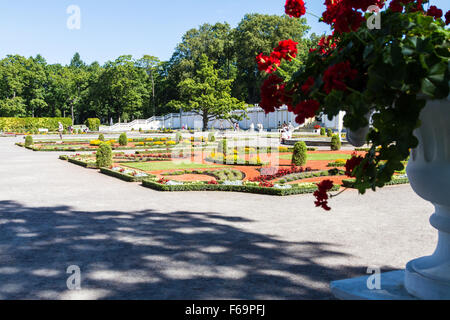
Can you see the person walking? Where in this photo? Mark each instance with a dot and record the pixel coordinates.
(60, 130)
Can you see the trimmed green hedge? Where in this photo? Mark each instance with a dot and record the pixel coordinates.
(348, 183)
(85, 164)
(32, 124)
(122, 176)
(220, 187)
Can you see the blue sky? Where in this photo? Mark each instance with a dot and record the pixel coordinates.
(110, 28)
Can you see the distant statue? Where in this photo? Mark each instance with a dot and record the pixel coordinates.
(252, 127)
(260, 127)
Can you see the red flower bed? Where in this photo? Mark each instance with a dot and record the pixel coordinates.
(280, 173)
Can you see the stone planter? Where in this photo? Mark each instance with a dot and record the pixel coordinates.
(429, 173)
(358, 138)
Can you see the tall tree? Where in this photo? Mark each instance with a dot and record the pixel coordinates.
(151, 65)
(258, 33)
(208, 95)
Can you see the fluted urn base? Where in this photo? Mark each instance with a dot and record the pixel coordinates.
(429, 173)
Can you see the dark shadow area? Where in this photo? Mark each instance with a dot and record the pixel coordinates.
(152, 255)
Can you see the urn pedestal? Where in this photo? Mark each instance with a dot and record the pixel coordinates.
(429, 174)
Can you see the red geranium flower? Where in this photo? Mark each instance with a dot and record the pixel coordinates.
(305, 110)
(352, 164)
(306, 87)
(447, 18)
(322, 194)
(336, 75)
(267, 64)
(435, 12)
(411, 5)
(295, 8)
(272, 94)
(287, 49)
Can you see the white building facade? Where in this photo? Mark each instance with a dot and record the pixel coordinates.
(191, 120)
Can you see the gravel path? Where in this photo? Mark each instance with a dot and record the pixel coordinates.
(135, 243)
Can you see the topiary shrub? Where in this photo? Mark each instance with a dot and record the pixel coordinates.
(329, 133)
(335, 143)
(211, 137)
(299, 155)
(93, 124)
(101, 137)
(123, 139)
(28, 141)
(104, 155)
(223, 146)
(322, 131)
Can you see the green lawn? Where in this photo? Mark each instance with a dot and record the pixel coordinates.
(320, 156)
(166, 165)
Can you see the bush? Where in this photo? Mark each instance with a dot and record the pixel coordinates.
(101, 137)
(28, 141)
(93, 124)
(335, 143)
(299, 155)
(104, 155)
(329, 133)
(31, 124)
(322, 131)
(211, 137)
(123, 139)
(223, 146)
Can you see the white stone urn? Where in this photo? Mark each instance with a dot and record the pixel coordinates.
(429, 173)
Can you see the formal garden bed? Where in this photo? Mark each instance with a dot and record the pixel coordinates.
(233, 186)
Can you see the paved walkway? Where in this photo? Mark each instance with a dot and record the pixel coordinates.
(135, 243)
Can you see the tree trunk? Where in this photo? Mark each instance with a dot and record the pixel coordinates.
(205, 122)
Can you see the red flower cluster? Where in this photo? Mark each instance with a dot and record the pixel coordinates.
(280, 173)
(411, 5)
(306, 87)
(266, 184)
(325, 45)
(268, 64)
(322, 194)
(163, 181)
(305, 110)
(433, 11)
(447, 18)
(335, 76)
(346, 15)
(286, 49)
(295, 8)
(213, 182)
(352, 164)
(273, 94)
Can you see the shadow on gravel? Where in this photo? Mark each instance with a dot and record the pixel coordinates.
(152, 255)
